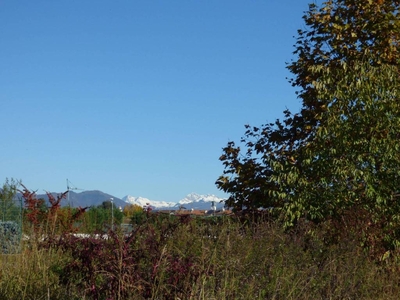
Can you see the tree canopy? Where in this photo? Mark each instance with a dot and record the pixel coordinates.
(9, 206)
(340, 151)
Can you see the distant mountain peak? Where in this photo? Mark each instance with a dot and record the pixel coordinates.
(141, 201)
(194, 197)
(96, 198)
(191, 201)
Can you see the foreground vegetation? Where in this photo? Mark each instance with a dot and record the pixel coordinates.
(253, 256)
(171, 257)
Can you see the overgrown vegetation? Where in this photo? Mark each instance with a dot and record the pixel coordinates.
(171, 257)
(183, 257)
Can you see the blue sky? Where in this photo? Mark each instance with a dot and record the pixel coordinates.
(138, 97)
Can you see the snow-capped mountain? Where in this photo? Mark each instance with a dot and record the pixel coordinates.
(201, 202)
(145, 202)
(191, 201)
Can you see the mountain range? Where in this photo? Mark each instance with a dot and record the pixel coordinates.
(95, 198)
(191, 201)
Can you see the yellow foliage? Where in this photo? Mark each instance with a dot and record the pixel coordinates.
(131, 209)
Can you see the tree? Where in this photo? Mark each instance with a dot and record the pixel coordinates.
(132, 209)
(340, 152)
(99, 218)
(10, 208)
(110, 208)
(96, 219)
(10, 218)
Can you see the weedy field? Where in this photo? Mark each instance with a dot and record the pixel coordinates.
(172, 257)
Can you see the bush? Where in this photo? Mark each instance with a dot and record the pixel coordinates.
(10, 237)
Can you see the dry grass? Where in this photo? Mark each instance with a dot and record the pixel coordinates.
(210, 259)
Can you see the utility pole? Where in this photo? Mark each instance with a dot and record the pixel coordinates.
(112, 214)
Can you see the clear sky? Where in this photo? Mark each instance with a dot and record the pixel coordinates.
(138, 97)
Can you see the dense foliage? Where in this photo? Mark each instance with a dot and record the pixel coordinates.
(340, 152)
(100, 218)
(179, 256)
(10, 207)
(171, 257)
(10, 237)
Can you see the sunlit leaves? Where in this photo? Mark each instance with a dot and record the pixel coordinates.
(341, 150)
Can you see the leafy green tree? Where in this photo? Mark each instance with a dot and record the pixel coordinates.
(111, 208)
(138, 217)
(99, 218)
(106, 204)
(340, 152)
(9, 205)
(96, 219)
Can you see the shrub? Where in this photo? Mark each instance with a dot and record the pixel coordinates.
(10, 237)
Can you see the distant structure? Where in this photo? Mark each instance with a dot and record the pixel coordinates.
(69, 188)
(213, 206)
